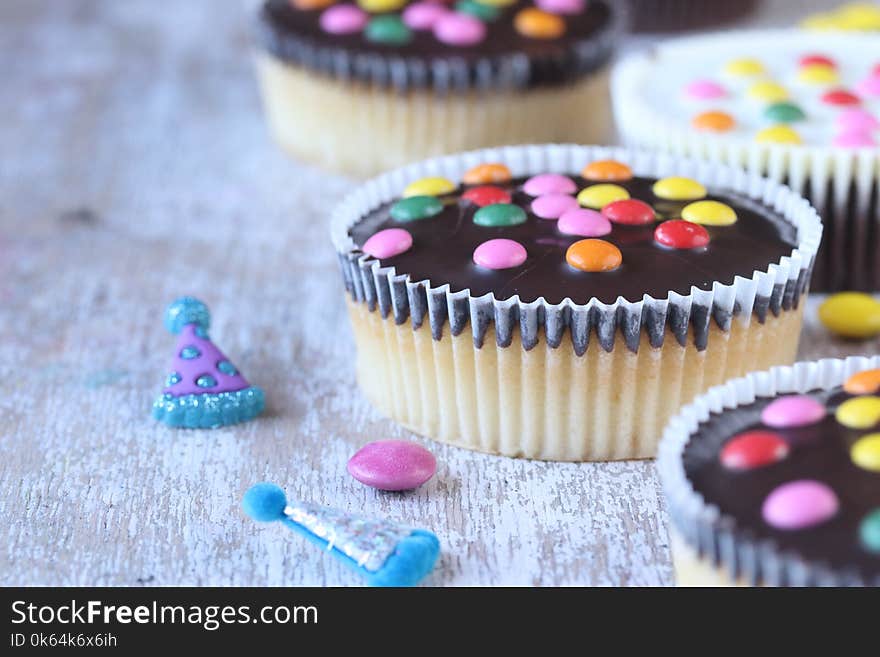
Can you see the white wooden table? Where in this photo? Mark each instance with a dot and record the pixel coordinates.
(135, 168)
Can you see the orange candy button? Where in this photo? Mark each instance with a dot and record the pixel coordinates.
(538, 24)
(312, 4)
(713, 121)
(607, 170)
(485, 174)
(863, 383)
(593, 255)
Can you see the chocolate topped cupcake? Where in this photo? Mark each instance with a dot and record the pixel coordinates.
(586, 276)
(389, 81)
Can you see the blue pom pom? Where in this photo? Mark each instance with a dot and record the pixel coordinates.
(187, 310)
(264, 502)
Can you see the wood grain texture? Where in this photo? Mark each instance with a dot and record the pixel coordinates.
(137, 168)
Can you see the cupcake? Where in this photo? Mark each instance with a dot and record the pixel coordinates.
(774, 479)
(362, 88)
(805, 111)
(560, 302)
(677, 15)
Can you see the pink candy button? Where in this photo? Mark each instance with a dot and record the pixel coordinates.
(854, 139)
(792, 411)
(423, 15)
(553, 206)
(388, 243)
(392, 465)
(856, 119)
(500, 254)
(459, 29)
(343, 19)
(704, 90)
(584, 222)
(549, 183)
(799, 504)
(565, 7)
(870, 86)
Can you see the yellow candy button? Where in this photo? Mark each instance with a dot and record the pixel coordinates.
(818, 74)
(851, 315)
(709, 213)
(744, 67)
(429, 187)
(678, 189)
(859, 16)
(865, 453)
(778, 134)
(379, 6)
(859, 412)
(768, 92)
(598, 196)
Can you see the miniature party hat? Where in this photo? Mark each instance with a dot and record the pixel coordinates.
(203, 389)
(385, 553)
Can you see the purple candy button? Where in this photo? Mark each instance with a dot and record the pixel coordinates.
(553, 206)
(854, 139)
(500, 254)
(704, 90)
(423, 15)
(549, 183)
(869, 87)
(856, 119)
(567, 7)
(388, 243)
(459, 29)
(799, 504)
(343, 19)
(584, 222)
(392, 465)
(792, 411)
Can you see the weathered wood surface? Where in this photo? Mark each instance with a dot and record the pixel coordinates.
(135, 167)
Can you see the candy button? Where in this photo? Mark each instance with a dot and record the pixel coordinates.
(713, 121)
(392, 465)
(859, 412)
(598, 196)
(486, 195)
(799, 505)
(553, 206)
(434, 186)
(583, 222)
(680, 234)
(311, 4)
(458, 29)
(851, 315)
(704, 90)
(423, 15)
(863, 383)
(415, 208)
(854, 139)
(709, 213)
(778, 134)
(607, 171)
(753, 449)
(818, 74)
(477, 9)
(499, 215)
(840, 97)
(565, 7)
(387, 29)
(380, 6)
(816, 60)
(549, 183)
(792, 411)
(593, 255)
(865, 453)
(744, 67)
(678, 189)
(388, 243)
(869, 531)
(486, 173)
(630, 212)
(856, 119)
(538, 24)
(768, 92)
(784, 113)
(870, 86)
(343, 19)
(500, 254)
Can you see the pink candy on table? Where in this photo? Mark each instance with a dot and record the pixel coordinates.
(553, 206)
(854, 139)
(870, 86)
(584, 222)
(388, 243)
(392, 465)
(792, 411)
(549, 183)
(458, 29)
(799, 504)
(569, 7)
(343, 19)
(856, 119)
(500, 254)
(423, 15)
(704, 90)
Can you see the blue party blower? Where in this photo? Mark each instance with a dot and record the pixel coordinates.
(383, 552)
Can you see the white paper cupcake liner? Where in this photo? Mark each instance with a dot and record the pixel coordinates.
(702, 525)
(771, 291)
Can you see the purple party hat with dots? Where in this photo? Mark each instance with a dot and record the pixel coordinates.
(203, 390)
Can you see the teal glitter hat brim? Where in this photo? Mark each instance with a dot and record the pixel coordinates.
(209, 410)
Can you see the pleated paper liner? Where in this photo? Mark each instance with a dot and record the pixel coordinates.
(842, 183)
(563, 381)
(707, 549)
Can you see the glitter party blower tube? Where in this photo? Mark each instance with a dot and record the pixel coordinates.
(561, 302)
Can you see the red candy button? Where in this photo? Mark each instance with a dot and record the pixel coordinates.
(753, 449)
(840, 97)
(681, 234)
(486, 195)
(630, 212)
(817, 60)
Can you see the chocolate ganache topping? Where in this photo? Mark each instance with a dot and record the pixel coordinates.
(443, 45)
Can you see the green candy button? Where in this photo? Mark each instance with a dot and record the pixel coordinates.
(477, 9)
(500, 214)
(389, 29)
(415, 208)
(784, 113)
(869, 531)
